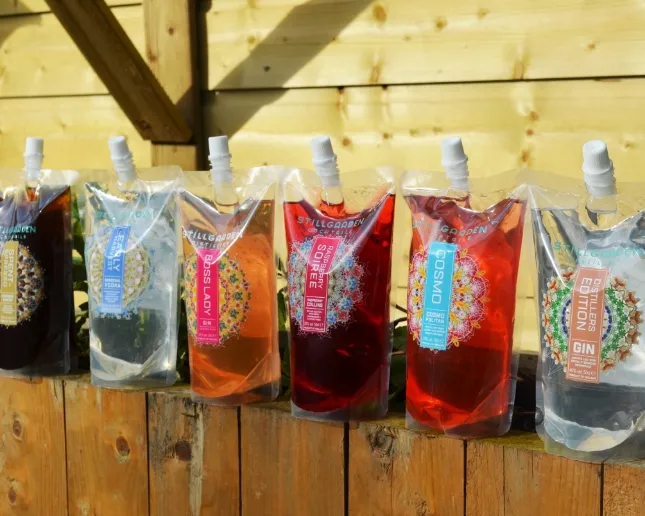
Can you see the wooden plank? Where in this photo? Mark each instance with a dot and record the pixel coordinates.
(532, 482)
(171, 51)
(115, 59)
(194, 456)
(38, 58)
(290, 466)
(107, 450)
(76, 131)
(13, 7)
(396, 471)
(299, 43)
(623, 493)
(33, 479)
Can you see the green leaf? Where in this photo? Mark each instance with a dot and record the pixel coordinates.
(400, 338)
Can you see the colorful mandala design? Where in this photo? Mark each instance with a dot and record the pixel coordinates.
(469, 296)
(234, 297)
(136, 276)
(620, 325)
(29, 282)
(344, 287)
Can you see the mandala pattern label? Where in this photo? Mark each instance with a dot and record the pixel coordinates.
(319, 263)
(619, 324)
(587, 314)
(468, 300)
(233, 293)
(113, 271)
(8, 284)
(438, 296)
(207, 296)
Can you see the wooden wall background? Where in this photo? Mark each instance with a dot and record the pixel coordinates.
(524, 82)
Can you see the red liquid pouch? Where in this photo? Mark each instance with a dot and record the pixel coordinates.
(461, 314)
(339, 263)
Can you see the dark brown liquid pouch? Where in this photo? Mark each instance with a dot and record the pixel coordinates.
(36, 297)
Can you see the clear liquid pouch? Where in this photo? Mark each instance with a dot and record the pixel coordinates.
(590, 291)
(339, 275)
(230, 287)
(132, 250)
(463, 326)
(36, 298)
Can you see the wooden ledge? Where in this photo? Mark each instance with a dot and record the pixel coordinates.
(157, 452)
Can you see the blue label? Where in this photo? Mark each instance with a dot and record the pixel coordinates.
(437, 296)
(113, 269)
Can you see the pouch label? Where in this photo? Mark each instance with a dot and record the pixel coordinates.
(8, 284)
(321, 257)
(208, 296)
(113, 271)
(437, 296)
(585, 331)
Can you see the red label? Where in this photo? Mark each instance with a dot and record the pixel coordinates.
(207, 296)
(314, 317)
(585, 331)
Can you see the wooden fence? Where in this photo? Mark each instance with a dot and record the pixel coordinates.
(70, 448)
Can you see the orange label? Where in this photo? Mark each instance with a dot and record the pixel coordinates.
(8, 283)
(585, 331)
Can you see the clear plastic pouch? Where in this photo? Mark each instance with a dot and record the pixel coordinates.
(36, 299)
(463, 325)
(230, 286)
(590, 255)
(132, 235)
(339, 241)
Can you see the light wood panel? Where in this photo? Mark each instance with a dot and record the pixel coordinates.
(12, 7)
(107, 450)
(33, 476)
(623, 493)
(76, 130)
(38, 58)
(512, 476)
(295, 43)
(290, 466)
(396, 471)
(194, 456)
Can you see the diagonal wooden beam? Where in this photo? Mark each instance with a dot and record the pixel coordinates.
(114, 58)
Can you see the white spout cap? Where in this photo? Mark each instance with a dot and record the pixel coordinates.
(325, 161)
(122, 158)
(598, 169)
(455, 162)
(33, 158)
(220, 159)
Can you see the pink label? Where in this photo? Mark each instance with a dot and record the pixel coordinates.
(323, 250)
(207, 296)
(585, 332)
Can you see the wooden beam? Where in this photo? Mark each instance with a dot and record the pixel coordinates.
(114, 58)
(171, 51)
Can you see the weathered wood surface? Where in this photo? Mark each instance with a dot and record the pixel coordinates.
(290, 466)
(171, 51)
(297, 43)
(194, 461)
(512, 476)
(115, 59)
(623, 493)
(33, 477)
(394, 471)
(38, 58)
(76, 131)
(107, 450)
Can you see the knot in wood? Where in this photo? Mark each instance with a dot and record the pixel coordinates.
(122, 446)
(16, 429)
(183, 451)
(11, 495)
(382, 443)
